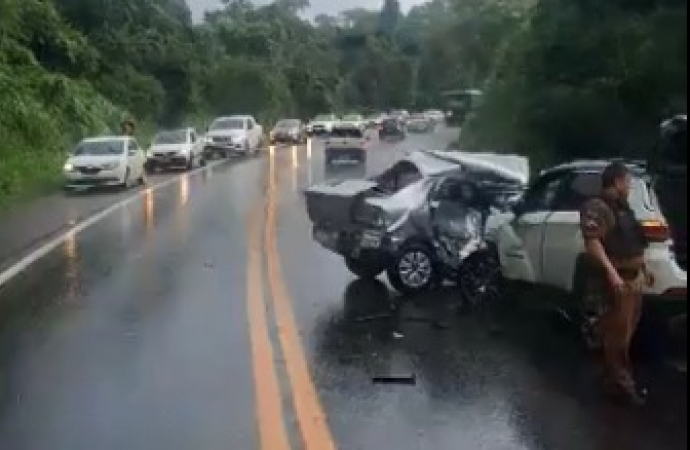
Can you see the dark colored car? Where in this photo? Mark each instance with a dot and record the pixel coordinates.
(392, 128)
(288, 131)
(669, 166)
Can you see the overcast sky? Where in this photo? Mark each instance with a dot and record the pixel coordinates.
(317, 6)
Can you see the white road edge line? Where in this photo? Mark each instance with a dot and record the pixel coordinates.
(26, 261)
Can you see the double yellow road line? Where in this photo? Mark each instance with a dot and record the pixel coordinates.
(272, 429)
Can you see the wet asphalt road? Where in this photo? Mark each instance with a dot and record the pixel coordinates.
(202, 316)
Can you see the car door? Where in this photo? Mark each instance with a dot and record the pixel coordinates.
(520, 240)
(563, 239)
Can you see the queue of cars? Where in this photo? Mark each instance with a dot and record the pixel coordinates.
(120, 161)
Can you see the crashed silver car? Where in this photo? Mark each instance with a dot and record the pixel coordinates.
(417, 220)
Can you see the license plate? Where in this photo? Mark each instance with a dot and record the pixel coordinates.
(370, 240)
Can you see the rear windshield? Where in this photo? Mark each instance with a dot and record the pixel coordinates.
(288, 123)
(347, 133)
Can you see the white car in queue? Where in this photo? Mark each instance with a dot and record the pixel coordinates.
(233, 135)
(105, 161)
(175, 149)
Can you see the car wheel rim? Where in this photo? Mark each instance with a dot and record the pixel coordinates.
(415, 269)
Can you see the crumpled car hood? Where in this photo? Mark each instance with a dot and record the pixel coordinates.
(409, 198)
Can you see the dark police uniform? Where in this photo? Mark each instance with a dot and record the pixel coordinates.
(613, 222)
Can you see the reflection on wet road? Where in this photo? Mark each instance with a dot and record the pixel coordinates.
(203, 316)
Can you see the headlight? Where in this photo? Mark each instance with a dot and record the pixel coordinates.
(111, 166)
(69, 167)
(207, 140)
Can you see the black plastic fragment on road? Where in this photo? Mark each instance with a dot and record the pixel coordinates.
(409, 380)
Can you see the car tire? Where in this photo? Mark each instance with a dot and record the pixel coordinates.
(413, 270)
(479, 278)
(588, 304)
(363, 268)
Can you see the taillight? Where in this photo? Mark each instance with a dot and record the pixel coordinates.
(655, 230)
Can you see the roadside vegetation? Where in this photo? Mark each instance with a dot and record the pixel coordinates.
(562, 78)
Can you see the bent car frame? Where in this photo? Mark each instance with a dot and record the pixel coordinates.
(410, 221)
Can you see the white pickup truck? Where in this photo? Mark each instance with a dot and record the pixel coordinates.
(233, 135)
(322, 124)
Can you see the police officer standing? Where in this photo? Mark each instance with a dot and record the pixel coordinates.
(615, 242)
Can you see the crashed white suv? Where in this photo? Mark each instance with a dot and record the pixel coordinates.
(541, 243)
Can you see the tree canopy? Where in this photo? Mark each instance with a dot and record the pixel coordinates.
(563, 78)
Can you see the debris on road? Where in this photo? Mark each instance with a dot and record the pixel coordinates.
(410, 379)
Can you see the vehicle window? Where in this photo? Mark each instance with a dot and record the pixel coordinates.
(398, 177)
(99, 148)
(347, 133)
(584, 186)
(288, 123)
(452, 189)
(250, 124)
(541, 195)
(227, 124)
(171, 137)
(576, 191)
(192, 137)
(133, 146)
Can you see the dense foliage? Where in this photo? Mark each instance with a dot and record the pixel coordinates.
(562, 77)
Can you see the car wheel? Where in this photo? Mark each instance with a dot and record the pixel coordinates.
(479, 278)
(247, 149)
(413, 271)
(363, 268)
(589, 301)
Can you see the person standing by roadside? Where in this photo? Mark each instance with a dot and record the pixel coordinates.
(127, 126)
(615, 243)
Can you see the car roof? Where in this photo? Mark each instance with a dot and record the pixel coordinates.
(596, 165)
(172, 130)
(106, 138)
(231, 117)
